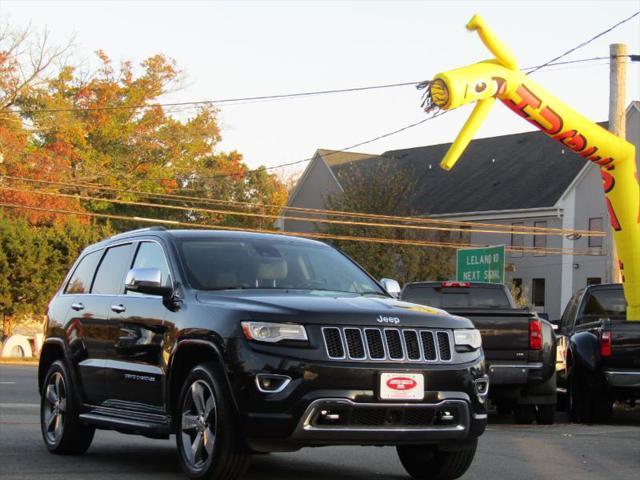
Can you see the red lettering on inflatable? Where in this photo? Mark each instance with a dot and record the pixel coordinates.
(554, 120)
(615, 224)
(608, 182)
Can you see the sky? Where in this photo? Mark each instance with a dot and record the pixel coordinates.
(245, 49)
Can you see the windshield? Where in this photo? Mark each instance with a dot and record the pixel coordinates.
(451, 297)
(225, 264)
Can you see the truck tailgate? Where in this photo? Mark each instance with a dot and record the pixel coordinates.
(625, 342)
(505, 335)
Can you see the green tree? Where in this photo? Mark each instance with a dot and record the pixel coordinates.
(34, 261)
(377, 187)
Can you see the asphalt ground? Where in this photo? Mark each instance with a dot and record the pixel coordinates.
(506, 451)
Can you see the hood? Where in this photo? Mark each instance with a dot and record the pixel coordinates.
(336, 309)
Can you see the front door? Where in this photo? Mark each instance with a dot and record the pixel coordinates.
(138, 376)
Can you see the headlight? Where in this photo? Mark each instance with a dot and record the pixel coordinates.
(273, 332)
(468, 338)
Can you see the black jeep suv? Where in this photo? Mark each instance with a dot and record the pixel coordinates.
(240, 343)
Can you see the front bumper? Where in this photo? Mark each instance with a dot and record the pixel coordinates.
(289, 419)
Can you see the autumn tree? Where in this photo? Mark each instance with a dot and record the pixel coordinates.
(378, 187)
(107, 127)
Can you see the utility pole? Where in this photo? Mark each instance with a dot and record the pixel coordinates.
(617, 119)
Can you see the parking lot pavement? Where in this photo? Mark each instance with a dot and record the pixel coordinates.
(506, 451)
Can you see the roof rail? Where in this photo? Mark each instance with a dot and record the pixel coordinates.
(139, 230)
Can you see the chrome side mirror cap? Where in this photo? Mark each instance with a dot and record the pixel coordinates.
(146, 280)
(391, 286)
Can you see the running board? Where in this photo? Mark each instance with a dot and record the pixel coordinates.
(128, 425)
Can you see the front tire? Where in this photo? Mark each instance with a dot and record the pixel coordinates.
(62, 431)
(429, 462)
(209, 446)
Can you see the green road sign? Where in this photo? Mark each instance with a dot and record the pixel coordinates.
(480, 264)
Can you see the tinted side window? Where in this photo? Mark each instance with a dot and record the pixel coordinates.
(80, 281)
(110, 277)
(570, 312)
(151, 255)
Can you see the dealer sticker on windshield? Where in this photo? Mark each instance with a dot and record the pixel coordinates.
(401, 386)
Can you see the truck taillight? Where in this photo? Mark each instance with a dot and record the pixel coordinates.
(605, 344)
(535, 334)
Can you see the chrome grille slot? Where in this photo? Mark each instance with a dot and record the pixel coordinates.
(355, 345)
(333, 342)
(429, 346)
(444, 346)
(412, 345)
(388, 344)
(375, 345)
(394, 343)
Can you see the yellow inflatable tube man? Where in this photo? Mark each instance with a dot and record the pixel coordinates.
(501, 78)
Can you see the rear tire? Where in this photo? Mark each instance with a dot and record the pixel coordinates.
(209, 446)
(62, 431)
(525, 414)
(429, 462)
(602, 407)
(579, 401)
(546, 414)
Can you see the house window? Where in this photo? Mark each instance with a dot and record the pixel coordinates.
(539, 241)
(517, 239)
(537, 292)
(594, 281)
(595, 225)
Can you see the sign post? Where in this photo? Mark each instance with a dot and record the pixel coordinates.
(480, 264)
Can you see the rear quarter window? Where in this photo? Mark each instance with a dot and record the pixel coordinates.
(451, 297)
(80, 281)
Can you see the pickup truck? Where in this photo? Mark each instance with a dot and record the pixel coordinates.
(241, 343)
(519, 346)
(599, 360)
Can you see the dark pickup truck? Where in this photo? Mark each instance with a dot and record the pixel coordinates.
(599, 359)
(520, 347)
(239, 343)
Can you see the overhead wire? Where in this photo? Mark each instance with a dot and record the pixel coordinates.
(262, 214)
(389, 241)
(499, 228)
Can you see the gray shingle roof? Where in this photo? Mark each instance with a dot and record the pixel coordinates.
(519, 171)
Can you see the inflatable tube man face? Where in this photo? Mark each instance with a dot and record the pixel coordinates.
(500, 78)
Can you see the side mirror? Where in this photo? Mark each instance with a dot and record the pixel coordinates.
(146, 280)
(391, 286)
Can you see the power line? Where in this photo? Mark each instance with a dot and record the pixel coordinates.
(507, 229)
(586, 42)
(265, 215)
(388, 241)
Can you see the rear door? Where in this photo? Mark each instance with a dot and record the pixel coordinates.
(84, 327)
(101, 333)
(138, 376)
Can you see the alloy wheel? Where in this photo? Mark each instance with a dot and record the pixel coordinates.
(198, 428)
(55, 408)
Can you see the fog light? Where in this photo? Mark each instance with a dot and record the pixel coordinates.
(481, 386)
(271, 383)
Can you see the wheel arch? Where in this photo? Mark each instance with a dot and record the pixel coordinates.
(188, 354)
(52, 350)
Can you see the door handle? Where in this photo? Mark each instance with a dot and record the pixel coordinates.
(77, 306)
(118, 308)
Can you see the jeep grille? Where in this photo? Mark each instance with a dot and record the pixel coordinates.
(387, 344)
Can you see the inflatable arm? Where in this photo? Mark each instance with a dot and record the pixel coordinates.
(500, 78)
